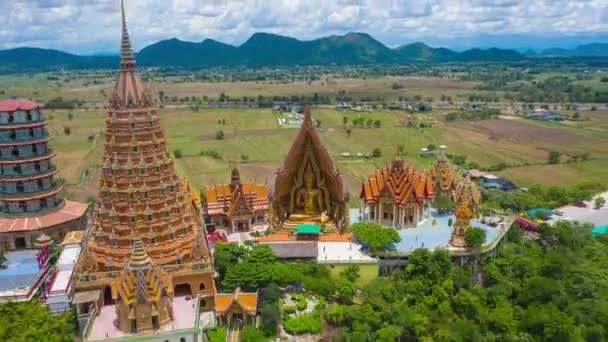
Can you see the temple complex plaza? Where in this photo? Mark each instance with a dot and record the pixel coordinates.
(144, 268)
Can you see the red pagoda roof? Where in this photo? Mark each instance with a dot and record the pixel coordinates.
(398, 181)
(14, 105)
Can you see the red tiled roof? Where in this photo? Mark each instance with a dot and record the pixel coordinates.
(71, 211)
(399, 182)
(13, 105)
(220, 199)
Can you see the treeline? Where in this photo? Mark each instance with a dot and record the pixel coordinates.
(482, 114)
(556, 89)
(61, 103)
(540, 197)
(553, 289)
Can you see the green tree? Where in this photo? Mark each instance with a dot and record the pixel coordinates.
(351, 272)
(377, 153)
(251, 334)
(345, 291)
(177, 153)
(31, 321)
(219, 135)
(335, 314)
(217, 335)
(401, 149)
(444, 204)
(389, 333)
(475, 237)
(344, 120)
(378, 238)
(599, 202)
(553, 157)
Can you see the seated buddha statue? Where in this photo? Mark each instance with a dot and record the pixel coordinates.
(309, 205)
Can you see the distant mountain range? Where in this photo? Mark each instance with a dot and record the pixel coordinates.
(264, 49)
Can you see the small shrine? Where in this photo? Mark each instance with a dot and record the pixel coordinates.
(466, 198)
(238, 307)
(308, 189)
(397, 195)
(143, 292)
(238, 206)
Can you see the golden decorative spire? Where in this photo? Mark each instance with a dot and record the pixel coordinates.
(127, 59)
(139, 258)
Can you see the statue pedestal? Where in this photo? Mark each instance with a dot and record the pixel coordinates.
(326, 227)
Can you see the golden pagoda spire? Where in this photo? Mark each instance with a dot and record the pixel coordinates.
(139, 258)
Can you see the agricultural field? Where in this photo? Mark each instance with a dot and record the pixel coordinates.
(96, 87)
(253, 141)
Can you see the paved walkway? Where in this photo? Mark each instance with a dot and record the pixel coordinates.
(342, 252)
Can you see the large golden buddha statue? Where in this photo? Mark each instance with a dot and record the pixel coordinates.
(307, 201)
(308, 189)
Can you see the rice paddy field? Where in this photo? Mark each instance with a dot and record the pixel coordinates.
(254, 141)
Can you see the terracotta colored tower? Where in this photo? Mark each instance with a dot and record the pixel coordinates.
(27, 178)
(140, 193)
(27, 185)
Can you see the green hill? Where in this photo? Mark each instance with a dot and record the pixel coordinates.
(261, 49)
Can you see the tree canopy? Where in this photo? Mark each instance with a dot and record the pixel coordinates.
(378, 238)
(553, 289)
(30, 321)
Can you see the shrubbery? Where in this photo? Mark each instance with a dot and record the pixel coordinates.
(304, 324)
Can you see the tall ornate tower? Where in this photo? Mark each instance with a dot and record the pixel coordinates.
(27, 172)
(27, 185)
(141, 194)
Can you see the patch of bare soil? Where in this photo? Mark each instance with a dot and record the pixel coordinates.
(522, 131)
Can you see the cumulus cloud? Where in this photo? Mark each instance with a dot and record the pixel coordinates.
(94, 25)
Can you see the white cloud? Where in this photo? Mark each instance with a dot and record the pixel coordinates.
(94, 25)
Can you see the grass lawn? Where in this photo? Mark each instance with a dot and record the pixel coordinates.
(367, 273)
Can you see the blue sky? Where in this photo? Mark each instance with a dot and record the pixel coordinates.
(93, 26)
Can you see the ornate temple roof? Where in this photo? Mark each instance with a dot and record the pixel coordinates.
(308, 137)
(141, 281)
(140, 192)
(466, 191)
(445, 175)
(247, 302)
(398, 181)
(224, 198)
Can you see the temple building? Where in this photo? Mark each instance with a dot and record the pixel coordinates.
(397, 195)
(466, 198)
(143, 292)
(142, 198)
(444, 174)
(238, 206)
(238, 307)
(30, 197)
(308, 190)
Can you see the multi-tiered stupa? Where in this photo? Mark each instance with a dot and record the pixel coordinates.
(30, 202)
(141, 196)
